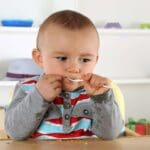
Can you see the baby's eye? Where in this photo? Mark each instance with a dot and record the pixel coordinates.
(61, 58)
(85, 60)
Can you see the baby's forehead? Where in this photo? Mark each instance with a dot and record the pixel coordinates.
(54, 34)
(58, 31)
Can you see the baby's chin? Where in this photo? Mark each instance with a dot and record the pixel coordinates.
(70, 88)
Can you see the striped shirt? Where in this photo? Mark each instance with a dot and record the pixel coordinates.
(72, 115)
(79, 126)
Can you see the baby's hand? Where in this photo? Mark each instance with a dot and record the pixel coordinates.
(49, 86)
(95, 85)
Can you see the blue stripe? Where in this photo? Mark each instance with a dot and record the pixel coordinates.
(83, 124)
(48, 128)
(76, 94)
(28, 88)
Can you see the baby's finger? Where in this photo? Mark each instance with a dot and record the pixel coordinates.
(90, 90)
(101, 90)
(98, 81)
(56, 84)
(107, 86)
(58, 91)
(52, 77)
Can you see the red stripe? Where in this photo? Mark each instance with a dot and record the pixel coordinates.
(59, 100)
(75, 119)
(77, 133)
(80, 98)
(59, 120)
(29, 82)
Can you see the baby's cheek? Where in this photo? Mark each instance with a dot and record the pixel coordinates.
(87, 69)
(54, 71)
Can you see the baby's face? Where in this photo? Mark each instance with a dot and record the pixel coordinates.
(69, 53)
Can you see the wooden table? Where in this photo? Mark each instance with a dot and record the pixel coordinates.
(131, 143)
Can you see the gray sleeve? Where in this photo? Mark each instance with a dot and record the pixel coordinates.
(107, 122)
(24, 114)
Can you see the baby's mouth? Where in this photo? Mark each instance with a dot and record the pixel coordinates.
(74, 80)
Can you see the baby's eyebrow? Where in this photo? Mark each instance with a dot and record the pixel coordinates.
(81, 54)
(87, 55)
(59, 53)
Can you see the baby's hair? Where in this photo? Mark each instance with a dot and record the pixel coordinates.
(68, 19)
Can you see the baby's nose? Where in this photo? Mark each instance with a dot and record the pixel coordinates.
(73, 67)
(73, 70)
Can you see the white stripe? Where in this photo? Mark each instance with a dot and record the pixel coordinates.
(49, 128)
(46, 137)
(84, 101)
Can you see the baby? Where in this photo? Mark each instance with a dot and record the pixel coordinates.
(68, 101)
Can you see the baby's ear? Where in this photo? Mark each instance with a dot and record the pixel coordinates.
(37, 57)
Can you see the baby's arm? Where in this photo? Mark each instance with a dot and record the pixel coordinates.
(107, 120)
(28, 108)
(25, 113)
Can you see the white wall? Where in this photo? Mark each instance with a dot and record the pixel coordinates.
(15, 44)
(24, 9)
(124, 55)
(137, 100)
(37, 10)
(128, 12)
